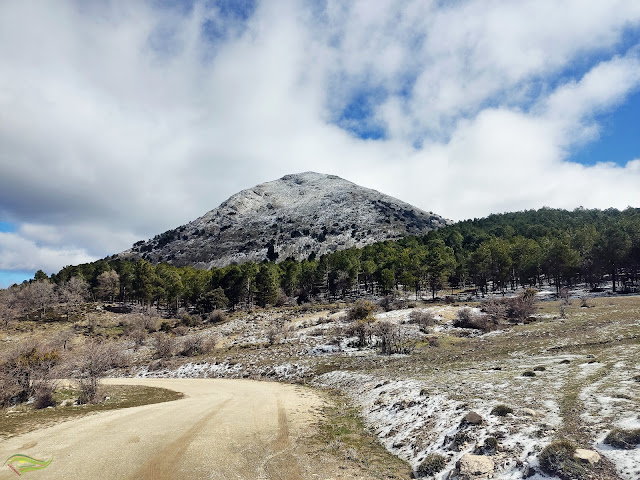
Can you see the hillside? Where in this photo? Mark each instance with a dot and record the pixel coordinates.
(295, 216)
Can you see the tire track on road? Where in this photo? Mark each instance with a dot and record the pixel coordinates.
(165, 464)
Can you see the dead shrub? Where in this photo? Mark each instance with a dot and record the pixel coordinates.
(362, 330)
(43, 395)
(137, 334)
(25, 369)
(91, 365)
(522, 307)
(423, 318)
(217, 316)
(180, 330)
(164, 345)
(392, 339)
(273, 334)
(197, 344)
(149, 322)
(564, 296)
(495, 309)
(467, 318)
(562, 310)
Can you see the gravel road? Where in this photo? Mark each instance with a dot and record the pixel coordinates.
(223, 429)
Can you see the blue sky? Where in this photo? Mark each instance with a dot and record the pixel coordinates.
(619, 138)
(124, 119)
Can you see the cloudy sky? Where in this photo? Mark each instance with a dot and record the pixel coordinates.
(120, 119)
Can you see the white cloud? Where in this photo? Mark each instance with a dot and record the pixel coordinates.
(120, 120)
(19, 253)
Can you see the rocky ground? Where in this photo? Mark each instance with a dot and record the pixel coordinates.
(488, 403)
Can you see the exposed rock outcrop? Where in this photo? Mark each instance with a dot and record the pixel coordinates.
(296, 216)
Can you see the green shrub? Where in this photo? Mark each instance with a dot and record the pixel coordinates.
(360, 310)
(620, 438)
(460, 439)
(490, 446)
(557, 459)
(189, 320)
(431, 465)
(501, 410)
(166, 327)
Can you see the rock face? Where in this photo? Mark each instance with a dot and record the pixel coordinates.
(295, 216)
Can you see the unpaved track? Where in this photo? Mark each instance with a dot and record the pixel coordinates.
(223, 429)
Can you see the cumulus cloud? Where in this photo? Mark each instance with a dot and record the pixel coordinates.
(119, 120)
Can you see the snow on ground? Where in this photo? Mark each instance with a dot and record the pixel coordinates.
(413, 422)
(610, 402)
(283, 372)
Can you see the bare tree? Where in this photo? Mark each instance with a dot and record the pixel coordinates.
(37, 296)
(8, 310)
(108, 285)
(393, 339)
(91, 365)
(73, 291)
(28, 370)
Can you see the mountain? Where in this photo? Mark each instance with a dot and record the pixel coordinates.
(295, 216)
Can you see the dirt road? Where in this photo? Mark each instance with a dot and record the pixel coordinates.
(223, 429)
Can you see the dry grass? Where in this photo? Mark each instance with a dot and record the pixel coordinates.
(24, 418)
(343, 432)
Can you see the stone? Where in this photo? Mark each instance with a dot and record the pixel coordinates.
(586, 456)
(529, 412)
(474, 467)
(473, 418)
(528, 471)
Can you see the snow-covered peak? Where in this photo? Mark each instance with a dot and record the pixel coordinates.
(295, 216)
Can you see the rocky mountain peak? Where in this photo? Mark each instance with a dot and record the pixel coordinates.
(298, 215)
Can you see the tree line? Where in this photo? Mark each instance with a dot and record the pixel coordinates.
(496, 253)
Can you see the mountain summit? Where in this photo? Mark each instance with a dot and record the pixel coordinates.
(295, 216)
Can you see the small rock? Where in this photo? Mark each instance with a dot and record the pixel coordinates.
(586, 456)
(528, 471)
(474, 467)
(529, 412)
(473, 418)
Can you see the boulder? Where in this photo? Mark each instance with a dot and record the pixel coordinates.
(474, 467)
(586, 456)
(473, 418)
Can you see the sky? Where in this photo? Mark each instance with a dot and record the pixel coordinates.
(120, 120)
